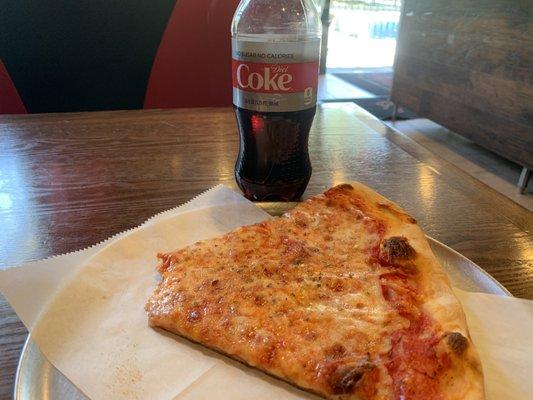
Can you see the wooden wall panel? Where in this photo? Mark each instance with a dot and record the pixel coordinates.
(468, 65)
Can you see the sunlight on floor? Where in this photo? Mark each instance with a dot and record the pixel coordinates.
(362, 38)
(484, 165)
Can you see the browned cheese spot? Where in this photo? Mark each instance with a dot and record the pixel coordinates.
(269, 354)
(300, 219)
(259, 300)
(396, 248)
(310, 335)
(345, 377)
(457, 342)
(336, 285)
(335, 352)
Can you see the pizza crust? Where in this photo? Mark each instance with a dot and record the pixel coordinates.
(440, 300)
(223, 293)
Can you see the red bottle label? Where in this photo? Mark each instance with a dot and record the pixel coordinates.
(275, 78)
(279, 77)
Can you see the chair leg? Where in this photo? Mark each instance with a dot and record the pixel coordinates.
(523, 180)
(394, 112)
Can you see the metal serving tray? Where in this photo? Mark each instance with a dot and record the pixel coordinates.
(37, 379)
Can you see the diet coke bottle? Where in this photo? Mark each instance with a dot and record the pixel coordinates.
(275, 51)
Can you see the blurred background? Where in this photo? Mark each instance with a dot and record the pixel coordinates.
(455, 75)
(88, 55)
(369, 29)
(364, 73)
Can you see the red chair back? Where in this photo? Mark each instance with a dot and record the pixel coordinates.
(192, 67)
(10, 102)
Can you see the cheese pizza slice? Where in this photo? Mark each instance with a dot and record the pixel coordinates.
(341, 296)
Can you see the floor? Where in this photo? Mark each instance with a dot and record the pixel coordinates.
(486, 166)
(331, 88)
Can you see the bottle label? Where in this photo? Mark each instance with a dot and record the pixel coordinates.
(275, 76)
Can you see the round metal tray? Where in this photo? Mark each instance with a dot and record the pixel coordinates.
(37, 379)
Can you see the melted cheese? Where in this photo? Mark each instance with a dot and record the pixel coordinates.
(297, 296)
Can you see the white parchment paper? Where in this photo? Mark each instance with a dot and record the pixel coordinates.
(86, 312)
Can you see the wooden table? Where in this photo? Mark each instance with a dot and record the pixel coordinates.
(68, 181)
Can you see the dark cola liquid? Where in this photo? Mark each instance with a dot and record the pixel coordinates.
(273, 162)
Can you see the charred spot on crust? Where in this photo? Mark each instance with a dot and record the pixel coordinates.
(396, 248)
(344, 186)
(337, 194)
(345, 377)
(389, 207)
(457, 342)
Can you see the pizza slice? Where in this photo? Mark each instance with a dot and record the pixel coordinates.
(341, 296)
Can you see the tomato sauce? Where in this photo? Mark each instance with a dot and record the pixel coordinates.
(413, 363)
